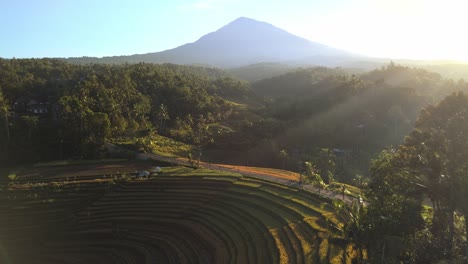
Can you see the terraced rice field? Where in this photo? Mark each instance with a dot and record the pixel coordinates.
(180, 216)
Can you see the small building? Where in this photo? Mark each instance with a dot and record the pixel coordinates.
(36, 107)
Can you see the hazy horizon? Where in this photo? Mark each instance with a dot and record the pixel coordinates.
(419, 30)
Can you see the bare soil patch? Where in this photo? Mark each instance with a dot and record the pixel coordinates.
(87, 170)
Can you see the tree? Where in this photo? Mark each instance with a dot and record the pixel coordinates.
(4, 115)
(98, 126)
(326, 164)
(312, 175)
(127, 94)
(162, 116)
(74, 112)
(31, 124)
(436, 154)
(353, 225)
(284, 157)
(457, 132)
(360, 181)
(394, 211)
(202, 136)
(396, 118)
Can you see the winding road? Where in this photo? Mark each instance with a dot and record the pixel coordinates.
(285, 179)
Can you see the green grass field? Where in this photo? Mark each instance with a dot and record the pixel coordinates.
(157, 144)
(182, 215)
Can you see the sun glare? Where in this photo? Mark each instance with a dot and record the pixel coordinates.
(417, 29)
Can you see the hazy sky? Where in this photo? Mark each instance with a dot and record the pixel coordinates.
(421, 29)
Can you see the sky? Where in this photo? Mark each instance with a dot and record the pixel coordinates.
(410, 29)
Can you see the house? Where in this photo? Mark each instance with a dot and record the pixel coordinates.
(36, 107)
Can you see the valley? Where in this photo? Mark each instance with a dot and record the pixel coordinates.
(249, 145)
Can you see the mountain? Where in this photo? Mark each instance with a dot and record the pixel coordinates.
(242, 42)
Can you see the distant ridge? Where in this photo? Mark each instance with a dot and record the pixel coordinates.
(241, 42)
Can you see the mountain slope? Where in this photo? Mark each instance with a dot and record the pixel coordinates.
(241, 42)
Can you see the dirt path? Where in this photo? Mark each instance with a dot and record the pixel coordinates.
(286, 178)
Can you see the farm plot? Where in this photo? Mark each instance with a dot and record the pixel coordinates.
(180, 216)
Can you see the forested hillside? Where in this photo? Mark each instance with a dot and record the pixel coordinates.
(321, 122)
(55, 110)
(260, 71)
(351, 116)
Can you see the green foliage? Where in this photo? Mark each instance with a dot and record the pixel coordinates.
(4, 119)
(321, 108)
(158, 144)
(435, 152)
(421, 80)
(345, 189)
(309, 113)
(231, 88)
(260, 71)
(162, 116)
(303, 81)
(12, 177)
(352, 223)
(88, 104)
(313, 177)
(394, 210)
(432, 163)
